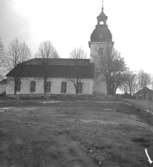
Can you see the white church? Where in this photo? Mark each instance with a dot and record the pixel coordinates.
(27, 78)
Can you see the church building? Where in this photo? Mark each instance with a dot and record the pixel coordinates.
(38, 77)
(60, 76)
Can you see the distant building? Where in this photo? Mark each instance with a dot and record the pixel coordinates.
(144, 94)
(60, 75)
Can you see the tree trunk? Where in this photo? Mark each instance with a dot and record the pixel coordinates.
(130, 91)
(15, 85)
(45, 64)
(45, 81)
(76, 88)
(107, 85)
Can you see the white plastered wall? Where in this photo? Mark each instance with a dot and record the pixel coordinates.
(55, 86)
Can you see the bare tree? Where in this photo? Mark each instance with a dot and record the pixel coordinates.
(18, 52)
(144, 79)
(112, 67)
(25, 52)
(1, 48)
(152, 82)
(76, 54)
(47, 50)
(130, 82)
(2, 59)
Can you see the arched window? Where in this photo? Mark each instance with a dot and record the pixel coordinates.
(33, 86)
(63, 87)
(80, 87)
(18, 84)
(48, 86)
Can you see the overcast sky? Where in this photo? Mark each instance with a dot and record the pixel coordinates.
(69, 23)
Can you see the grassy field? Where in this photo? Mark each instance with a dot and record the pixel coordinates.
(87, 133)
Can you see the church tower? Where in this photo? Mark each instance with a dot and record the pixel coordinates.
(100, 42)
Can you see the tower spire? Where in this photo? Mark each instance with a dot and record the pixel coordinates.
(102, 17)
(102, 4)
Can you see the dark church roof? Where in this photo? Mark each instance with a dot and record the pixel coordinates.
(57, 68)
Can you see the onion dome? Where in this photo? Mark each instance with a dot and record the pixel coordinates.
(101, 32)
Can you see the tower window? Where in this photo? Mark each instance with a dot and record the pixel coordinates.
(63, 87)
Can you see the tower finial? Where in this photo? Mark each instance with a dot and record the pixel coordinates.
(102, 17)
(102, 4)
